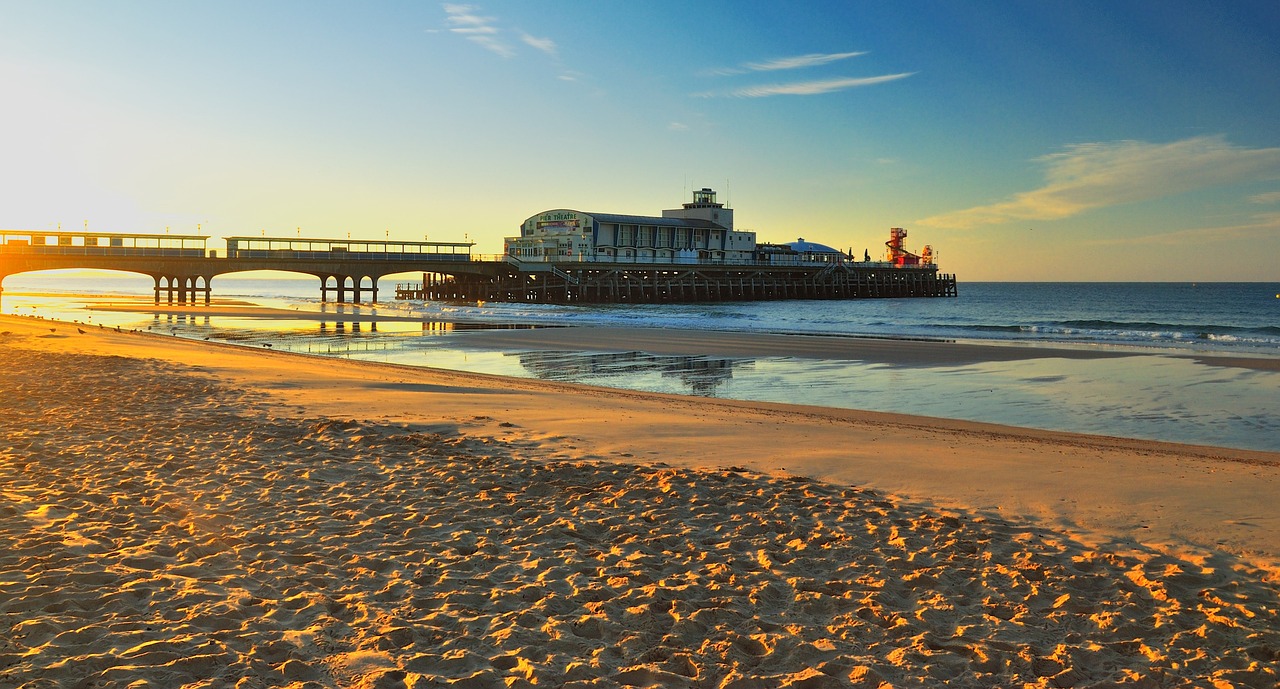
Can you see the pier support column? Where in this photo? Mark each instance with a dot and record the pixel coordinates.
(181, 289)
(338, 290)
(200, 285)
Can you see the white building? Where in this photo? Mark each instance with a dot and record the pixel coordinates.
(701, 231)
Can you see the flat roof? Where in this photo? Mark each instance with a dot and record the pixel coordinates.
(651, 220)
(87, 234)
(345, 242)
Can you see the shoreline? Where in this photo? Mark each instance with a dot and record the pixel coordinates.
(904, 351)
(183, 511)
(869, 348)
(886, 349)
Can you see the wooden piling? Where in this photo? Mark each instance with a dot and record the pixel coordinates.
(609, 283)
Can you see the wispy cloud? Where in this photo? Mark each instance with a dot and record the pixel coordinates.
(811, 87)
(805, 88)
(797, 62)
(464, 21)
(545, 45)
(800, 61)
(1269, 197)
(487, 32)
(1096, 175)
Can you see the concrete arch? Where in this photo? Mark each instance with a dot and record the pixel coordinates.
(35, 271)
(187, 278)
(181, 289)
(56, 269)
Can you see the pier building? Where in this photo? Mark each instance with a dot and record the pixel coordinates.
(691, 253)
(701, 230)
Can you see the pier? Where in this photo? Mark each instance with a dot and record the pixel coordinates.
(613, 283)
(183, 268)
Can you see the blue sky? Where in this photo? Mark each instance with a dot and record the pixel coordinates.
(1022, 140)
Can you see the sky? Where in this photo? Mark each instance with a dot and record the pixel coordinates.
(1081, 140)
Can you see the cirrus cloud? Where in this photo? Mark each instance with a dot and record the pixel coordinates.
(479, 29)
(806, 88)
(545, 45)
(795, 62)
(1096, 175)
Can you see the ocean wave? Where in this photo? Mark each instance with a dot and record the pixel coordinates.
(1208, 328)
(1108, 332)
(1089, 315)
(999, 328)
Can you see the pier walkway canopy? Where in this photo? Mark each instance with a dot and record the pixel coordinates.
(361, 249)
(103, 243)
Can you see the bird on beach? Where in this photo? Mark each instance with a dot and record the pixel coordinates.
(80, 330)
(53, 330)
(266, 344)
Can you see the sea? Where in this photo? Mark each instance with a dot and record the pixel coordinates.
(1172, 387)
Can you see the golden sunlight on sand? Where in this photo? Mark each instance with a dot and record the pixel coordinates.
(166, 524)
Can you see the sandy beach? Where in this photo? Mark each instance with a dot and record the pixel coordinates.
(188, 514)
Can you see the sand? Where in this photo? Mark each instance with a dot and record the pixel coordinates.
(182, 514)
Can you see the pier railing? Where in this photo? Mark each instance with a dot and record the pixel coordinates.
(562, 262)
(155, 252)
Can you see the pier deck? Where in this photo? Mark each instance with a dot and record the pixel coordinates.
(607, 283)
(183, 269)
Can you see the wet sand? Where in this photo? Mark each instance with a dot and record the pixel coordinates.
(181, 513)
(886, 350)
(351, 313)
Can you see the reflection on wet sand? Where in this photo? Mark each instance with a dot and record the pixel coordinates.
(340, 327)
(181, 319)
(700, 374)
(427, 327)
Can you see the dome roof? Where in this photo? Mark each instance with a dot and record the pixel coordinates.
(801, 246)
